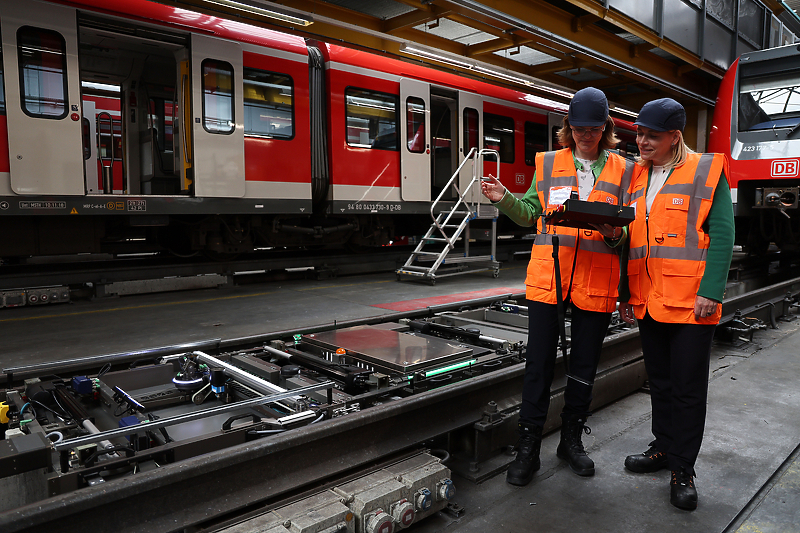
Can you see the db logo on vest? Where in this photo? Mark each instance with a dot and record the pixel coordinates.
(785, 167)
(677, 201)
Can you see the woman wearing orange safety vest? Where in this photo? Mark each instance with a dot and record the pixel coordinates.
(589, 273)
(680, 245)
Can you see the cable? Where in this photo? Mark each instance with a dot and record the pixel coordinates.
(25, 406)
(69, 416)
(104, 370)
(442, 454)
(61, 416)
(58, 434)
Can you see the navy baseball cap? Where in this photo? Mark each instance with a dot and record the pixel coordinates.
(588, 107)
(662, 115)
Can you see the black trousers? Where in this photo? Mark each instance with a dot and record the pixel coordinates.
(676, 357)
(588, 331)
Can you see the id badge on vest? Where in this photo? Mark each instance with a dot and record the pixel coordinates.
(559, 195)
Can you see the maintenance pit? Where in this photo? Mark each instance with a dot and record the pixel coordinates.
(275, 423)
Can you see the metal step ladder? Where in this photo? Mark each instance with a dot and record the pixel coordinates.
(435, 255)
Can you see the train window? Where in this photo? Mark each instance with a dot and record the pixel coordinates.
(42, 71)
(159, 120)
(108, 134)
(415, 115)
(217, 96)
(535, 141)
(268, 104)
(769, 101)
(470, 129)
(371, 119)
(498, 134)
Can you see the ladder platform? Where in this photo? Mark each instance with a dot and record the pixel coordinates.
(455, 217)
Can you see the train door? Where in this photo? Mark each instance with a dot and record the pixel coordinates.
(554, 122)
(217, 110)
(470, 111)
(415, 152)
(43, 103)
(444, 140)
(128, 79)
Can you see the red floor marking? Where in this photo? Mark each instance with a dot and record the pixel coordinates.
(422, 303)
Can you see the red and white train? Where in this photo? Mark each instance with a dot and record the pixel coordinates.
(757, 124)
(133, 126)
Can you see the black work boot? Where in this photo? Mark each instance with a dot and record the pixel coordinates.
(682, 492)
(650, 461)
(520, 472)
(571, 448)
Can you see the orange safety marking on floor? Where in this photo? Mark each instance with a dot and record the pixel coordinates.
(422, 303)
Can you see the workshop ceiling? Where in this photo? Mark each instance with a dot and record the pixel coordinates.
(549, 46)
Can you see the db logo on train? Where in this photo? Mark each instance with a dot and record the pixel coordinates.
(785, 167)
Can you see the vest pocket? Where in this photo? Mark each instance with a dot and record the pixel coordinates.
(680, 281)
(603, 277)
(677, 213)
(540, 274)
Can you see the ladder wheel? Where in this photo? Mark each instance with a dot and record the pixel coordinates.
(432, 282)
(495, 273)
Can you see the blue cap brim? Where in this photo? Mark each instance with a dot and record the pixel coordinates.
(647, 125)
(585, 124)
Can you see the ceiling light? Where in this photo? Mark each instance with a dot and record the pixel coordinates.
(255, 7)
(476, 66)
(437, 55)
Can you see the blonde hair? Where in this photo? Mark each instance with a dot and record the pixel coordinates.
(609, 140)
(679, 153)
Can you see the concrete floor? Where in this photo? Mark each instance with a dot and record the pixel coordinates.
(752, 425)
(752, 428)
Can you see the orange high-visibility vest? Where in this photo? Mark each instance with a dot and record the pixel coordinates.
(668, 248)
(589, 267)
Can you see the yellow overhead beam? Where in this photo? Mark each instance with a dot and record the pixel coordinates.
(552, 20)
(414, 18)
(596, 8)
(495, 45)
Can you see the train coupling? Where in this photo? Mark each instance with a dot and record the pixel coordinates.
(780, 198)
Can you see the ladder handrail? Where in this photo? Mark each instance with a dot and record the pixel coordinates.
(477, 155)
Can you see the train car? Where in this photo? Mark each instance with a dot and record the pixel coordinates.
(757, 124)
(133, 126)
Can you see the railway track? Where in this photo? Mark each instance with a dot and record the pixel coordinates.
(468, 409)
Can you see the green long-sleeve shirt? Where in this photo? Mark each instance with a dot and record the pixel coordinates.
(720, 247)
